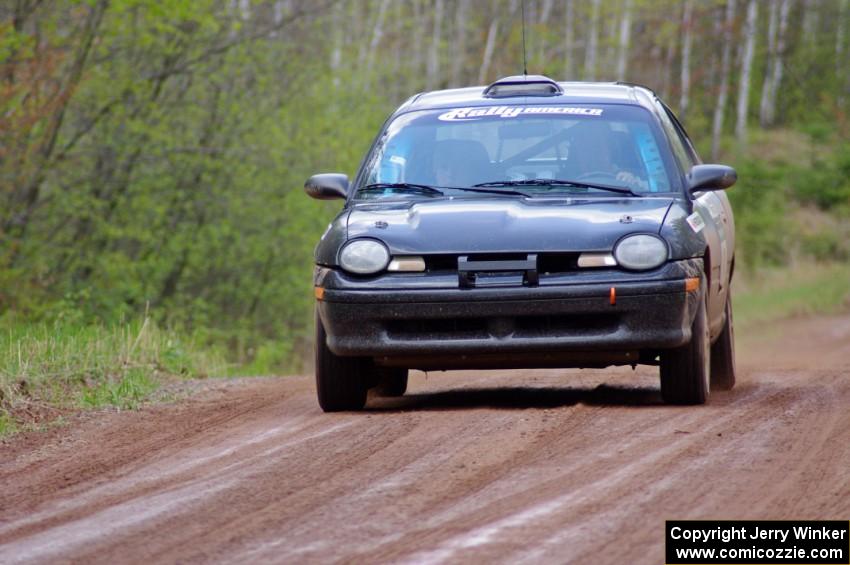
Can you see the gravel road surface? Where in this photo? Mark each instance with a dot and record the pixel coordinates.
(513, 466)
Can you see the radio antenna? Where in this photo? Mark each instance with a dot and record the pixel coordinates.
(524, 57)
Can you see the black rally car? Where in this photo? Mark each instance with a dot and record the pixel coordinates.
(529, 223)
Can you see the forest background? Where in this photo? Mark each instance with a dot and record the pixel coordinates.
(152, 155)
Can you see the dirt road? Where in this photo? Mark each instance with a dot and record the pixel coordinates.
(523, 466)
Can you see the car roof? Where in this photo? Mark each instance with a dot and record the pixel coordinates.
(571, 93)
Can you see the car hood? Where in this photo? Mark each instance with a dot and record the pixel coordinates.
(482, 225)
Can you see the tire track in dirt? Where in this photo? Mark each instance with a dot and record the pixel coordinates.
(519, 466)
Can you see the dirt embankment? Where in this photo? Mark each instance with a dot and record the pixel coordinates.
(521, 466)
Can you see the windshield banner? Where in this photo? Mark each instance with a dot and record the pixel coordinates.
(469, 114)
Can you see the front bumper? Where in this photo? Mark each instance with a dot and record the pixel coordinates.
(419, 320)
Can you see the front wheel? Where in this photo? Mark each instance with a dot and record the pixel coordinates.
(341, 382)
(685, 370)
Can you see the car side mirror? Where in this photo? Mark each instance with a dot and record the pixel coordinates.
(327, 186)
(711, 177)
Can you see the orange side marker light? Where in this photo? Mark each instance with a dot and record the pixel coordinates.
(319, 292)
(692, 284)
(612, 296)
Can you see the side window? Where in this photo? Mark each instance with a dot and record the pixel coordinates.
(682, 154)
(649, 157)
(683, 135)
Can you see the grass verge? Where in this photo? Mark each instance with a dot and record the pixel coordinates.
(47, 370)
(801, 289)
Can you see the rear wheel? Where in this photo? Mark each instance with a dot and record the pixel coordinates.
(723, 353)
(340, 381)
(392, 381)
(685, 370)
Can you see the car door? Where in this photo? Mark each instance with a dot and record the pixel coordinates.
(712, 214)
(718, 207)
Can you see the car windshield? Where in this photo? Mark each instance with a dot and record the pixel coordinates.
(520, 149)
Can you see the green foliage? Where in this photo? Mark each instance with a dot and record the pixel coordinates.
(172, 184)
(184, 152)
(826, 245)
(268, 358)
(7, 423)
(792, 199)
(826, 183)
(759, 200)
(128, 392)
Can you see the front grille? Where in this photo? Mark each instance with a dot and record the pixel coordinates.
(565, 325)
(548, 326)
(547, 263)
(441, 263)
(460, 328)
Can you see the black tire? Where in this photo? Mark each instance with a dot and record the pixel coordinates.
(340, 381)
(723, 353)
(392, 381)
(685, 370)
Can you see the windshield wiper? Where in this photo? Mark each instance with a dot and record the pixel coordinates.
(558, 182)
(402, 187)
(490, 190)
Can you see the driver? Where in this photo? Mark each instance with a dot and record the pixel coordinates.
(460, 162)
(591, 155)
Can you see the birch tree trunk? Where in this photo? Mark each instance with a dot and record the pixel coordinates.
(245, 10)
(278, 12)
(546, 11)
(543, 19)
(418, 41)
(746, 71)
(433, 70)
(458, 51)
(569, 39)
(811, 17)
(492, 32)
(625, 31)
(377, 34)
(338, 40)
(609, 38)
(687, 27)
(710, 79)
(399, 89)
(359, 24)
(778, 65)
(667, 66)
(592, 43)
(531, 38)
(723, 92)
(772, 19)
(840, 60)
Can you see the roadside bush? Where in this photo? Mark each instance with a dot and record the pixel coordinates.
(826, 246)
(760, 203)
(826, 184)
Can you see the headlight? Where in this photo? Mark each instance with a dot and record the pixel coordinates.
(364, 256)
(641, 251)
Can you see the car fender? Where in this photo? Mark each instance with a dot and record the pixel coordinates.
(685, 241)
(332, 239)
